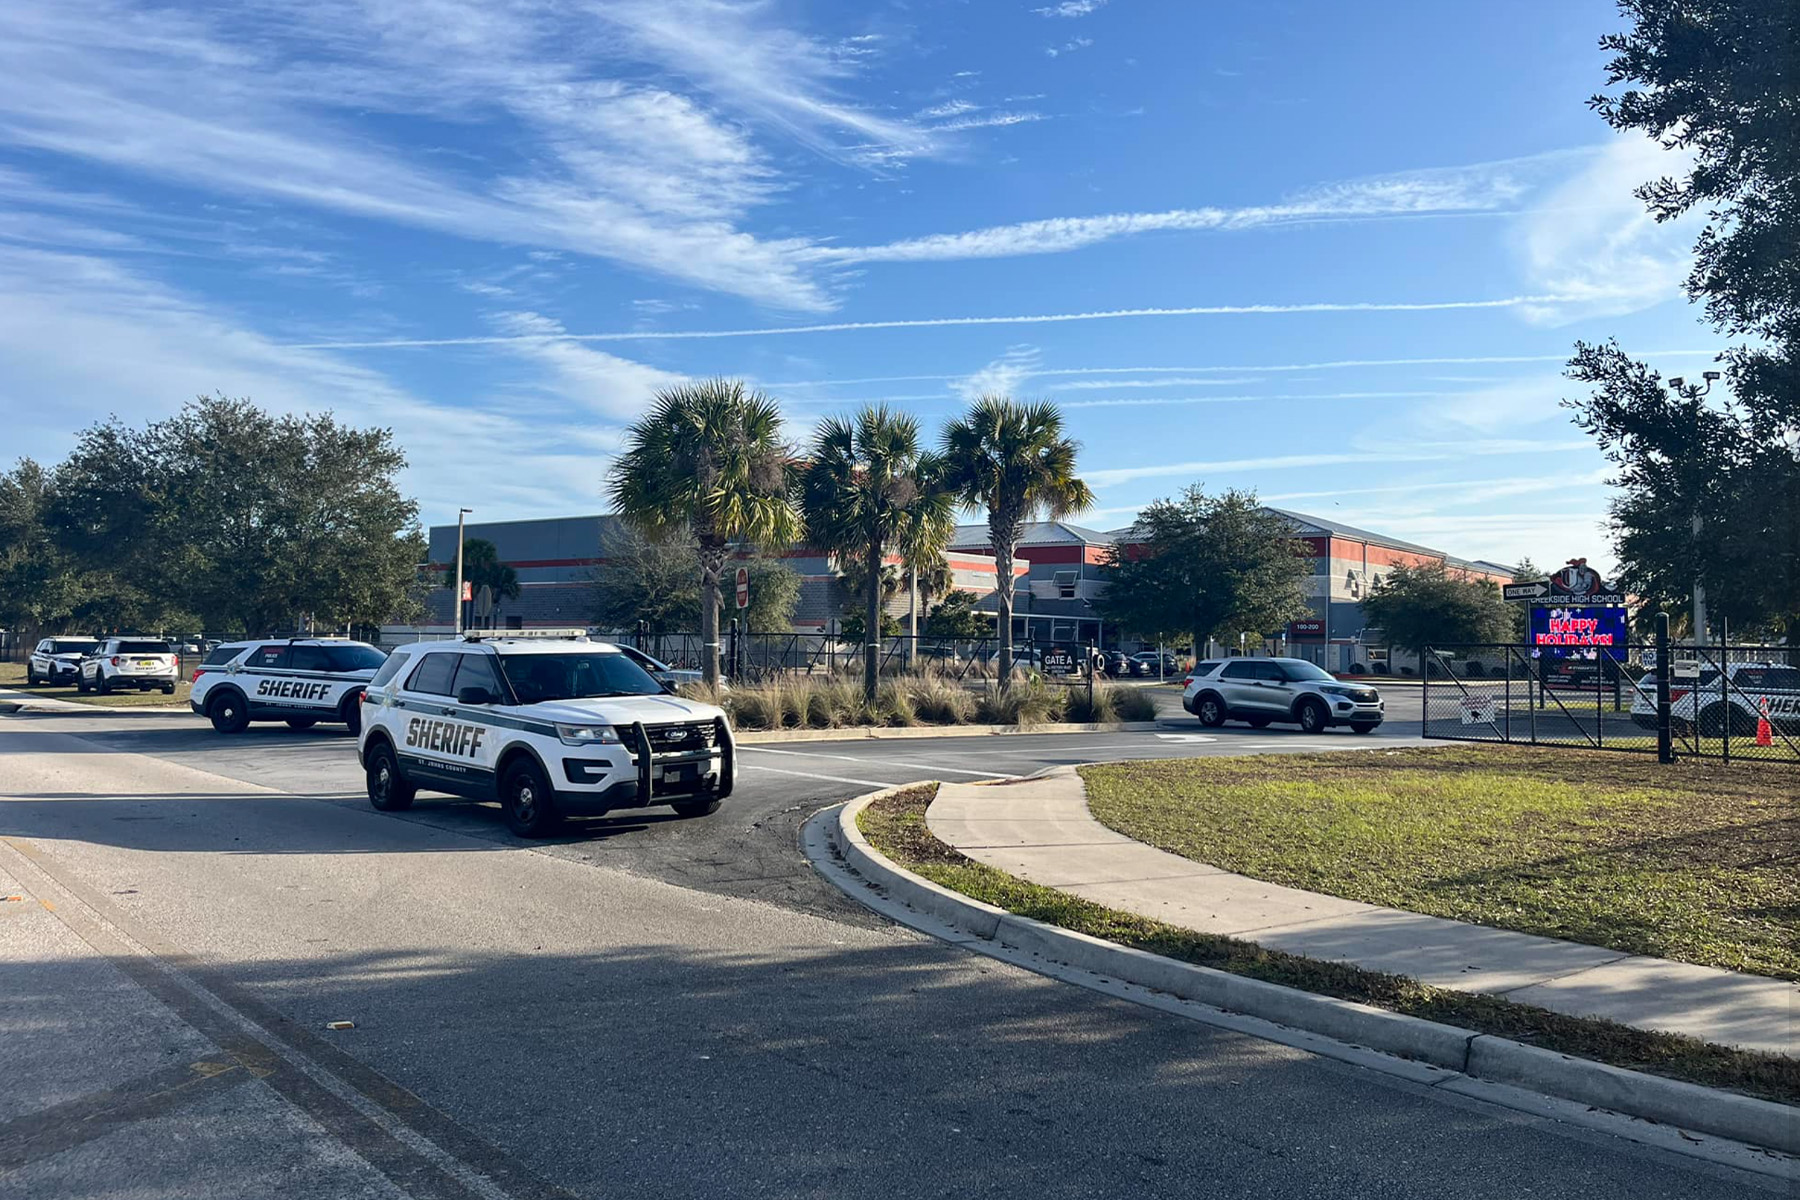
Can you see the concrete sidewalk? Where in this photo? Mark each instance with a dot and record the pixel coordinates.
(1040, 830)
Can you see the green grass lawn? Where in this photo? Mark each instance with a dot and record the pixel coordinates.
(1698, 862)
(12, 675)
(895, 825)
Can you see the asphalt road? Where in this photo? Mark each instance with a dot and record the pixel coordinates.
(656, 1008)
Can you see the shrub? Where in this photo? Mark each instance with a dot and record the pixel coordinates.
(893, 705)
(940, 701)
(1027, 702)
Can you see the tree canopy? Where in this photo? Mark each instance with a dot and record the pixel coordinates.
(709, 463)
(224, 515)
(1011, 461)
(653, 580)
(1717, 79)
(1432, 605)
(1207, 567)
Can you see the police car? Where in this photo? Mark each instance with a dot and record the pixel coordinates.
(549, 727)
(58, 659)
(129, 662)
(1698, 701)
(301, 681)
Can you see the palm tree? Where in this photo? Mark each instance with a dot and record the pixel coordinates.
(1012, 460)
(708, 462)
(869, 488)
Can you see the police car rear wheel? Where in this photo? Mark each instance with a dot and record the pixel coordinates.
(388, 789)
(351, 714)
(229, 713)
(525, 801)
(1712, 722)
(302, 722)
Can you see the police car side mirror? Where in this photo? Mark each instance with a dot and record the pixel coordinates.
(476, 695)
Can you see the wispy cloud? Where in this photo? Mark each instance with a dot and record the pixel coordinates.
(1328, 365)
(1001, 376)
(1481, 188)
(219, 100)
(987, 121)
(1592, 241)
(1070, 8)
(1069, 47)
(1419, 452)
(1120, 314)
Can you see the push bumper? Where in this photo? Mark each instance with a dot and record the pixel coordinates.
(656, 778)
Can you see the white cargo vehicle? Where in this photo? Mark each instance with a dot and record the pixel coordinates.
(301, 681)
(548, 727)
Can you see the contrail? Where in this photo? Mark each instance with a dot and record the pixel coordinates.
(1118, 314)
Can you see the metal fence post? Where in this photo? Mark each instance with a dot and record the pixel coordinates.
(1665, 740)
(1425, 691)
(1508, 734)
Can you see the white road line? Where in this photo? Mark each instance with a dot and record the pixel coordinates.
(874, 783)
(886, 762)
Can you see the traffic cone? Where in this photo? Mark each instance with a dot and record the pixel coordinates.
(1765, 736)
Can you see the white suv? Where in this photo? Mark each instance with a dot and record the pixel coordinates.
(301, 681)
(550, 728)
(1698, 702)
(1290, 690)
(141, 663)
(58, 660)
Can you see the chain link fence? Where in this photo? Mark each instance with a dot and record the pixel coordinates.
(1725, 702)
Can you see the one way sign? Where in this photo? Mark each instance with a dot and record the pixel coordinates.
(1524, 591)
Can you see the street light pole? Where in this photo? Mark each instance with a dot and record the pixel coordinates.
(1694, 395)
(456, 596)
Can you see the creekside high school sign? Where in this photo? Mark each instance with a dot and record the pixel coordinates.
(1575, 615)
(1576, 584)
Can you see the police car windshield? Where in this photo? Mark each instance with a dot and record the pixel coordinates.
(354, 658)
(536, 678)
(65, 646)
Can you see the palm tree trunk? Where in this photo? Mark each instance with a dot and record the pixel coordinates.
(1003, 536)
(872, 626)
(712, 567)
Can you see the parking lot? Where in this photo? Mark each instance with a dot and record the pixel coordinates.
(749, 848)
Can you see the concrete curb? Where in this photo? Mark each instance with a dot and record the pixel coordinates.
(13, 700)
(752, 737)
(1463, 1052)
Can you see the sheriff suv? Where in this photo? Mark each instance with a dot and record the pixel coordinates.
(301, 681)
(1293, 691)
(549, 728)
(58, 660)
(1699, 702)
(141, 663)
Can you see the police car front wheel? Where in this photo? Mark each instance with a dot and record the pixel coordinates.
(388, 789)
(526, 802)
(704, 806)
(229, 712)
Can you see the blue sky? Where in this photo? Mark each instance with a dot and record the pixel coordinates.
(1336, 253)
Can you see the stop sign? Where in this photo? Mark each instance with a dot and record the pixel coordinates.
(743, 587)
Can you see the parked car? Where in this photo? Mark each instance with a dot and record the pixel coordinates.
(1117, 663)
(301, 681)
(1155, 664)
(1750, 693)
(141, 663)
(1263, 691)
(57, 660)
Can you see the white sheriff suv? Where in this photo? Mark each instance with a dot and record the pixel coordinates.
(550, 728)
(130, 662)
(1699, 702)
(58, 659)
(301, 681)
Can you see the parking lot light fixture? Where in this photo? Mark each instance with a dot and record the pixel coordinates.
(456, 596)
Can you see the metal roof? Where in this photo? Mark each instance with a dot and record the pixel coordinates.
(1035, 533)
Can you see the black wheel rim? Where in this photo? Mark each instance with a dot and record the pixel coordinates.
(525, 803)
(384, 782)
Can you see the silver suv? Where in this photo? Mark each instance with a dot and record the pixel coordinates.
(1293, 691)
